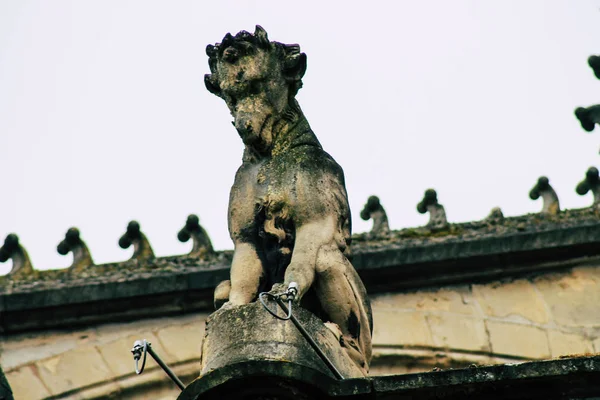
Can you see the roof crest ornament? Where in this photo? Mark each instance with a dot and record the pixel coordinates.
(73, 243)
(192, 229)
(437, 213)
(12, 249)
(542, 188)
(591, 183)
(142, 250)
(375, 211)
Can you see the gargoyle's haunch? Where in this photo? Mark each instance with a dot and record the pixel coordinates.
(289, 217)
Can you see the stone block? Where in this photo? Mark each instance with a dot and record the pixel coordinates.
(119, 359)
(563, 344)
(518, 298)
(455, 300)
(249, 332)
(518, 340)
(400, 328)
(73, 369)
(458, 332)
(26, 385)
(183, 342)
(573, 298)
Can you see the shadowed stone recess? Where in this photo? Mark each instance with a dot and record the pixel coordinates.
(437, 214)
(375, 211)
(542, 188)
(192, 229)
(73, 243)
(591, 183)
(142, 251)
(289, 216)
(12, 249)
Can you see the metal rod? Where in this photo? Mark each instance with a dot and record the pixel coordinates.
(160, 362)
(310, 340)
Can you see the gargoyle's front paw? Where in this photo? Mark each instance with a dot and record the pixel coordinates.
(278, 288)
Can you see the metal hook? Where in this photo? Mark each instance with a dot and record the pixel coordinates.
(275, 297)
(139, 346)
(142, 346)
(289, 294)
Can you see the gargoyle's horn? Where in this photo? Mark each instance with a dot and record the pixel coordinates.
(262, 40)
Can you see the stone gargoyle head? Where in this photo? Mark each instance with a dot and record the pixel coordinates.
(258, 80)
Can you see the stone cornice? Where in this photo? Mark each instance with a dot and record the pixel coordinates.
(410, 258)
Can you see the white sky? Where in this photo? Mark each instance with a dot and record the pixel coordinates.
(104, 116)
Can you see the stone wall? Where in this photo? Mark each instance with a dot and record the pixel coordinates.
(513, 320)
(540, 317)
(97, 362)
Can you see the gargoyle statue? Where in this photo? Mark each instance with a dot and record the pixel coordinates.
(289, 217)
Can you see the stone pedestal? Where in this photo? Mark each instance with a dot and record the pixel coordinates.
(249, 354)
(249, 332)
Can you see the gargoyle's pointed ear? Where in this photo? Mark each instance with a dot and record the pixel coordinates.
(295, 65)
(211, 85)
(261, 37)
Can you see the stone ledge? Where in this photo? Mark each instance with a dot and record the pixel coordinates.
(571, 378)
(173, 286)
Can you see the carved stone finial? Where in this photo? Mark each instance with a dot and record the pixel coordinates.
(495, 216)
(594, 63)
(591, 183)
(73, 243)
(374, 210)
(437, 214)
(141, 246)
(193, 229)
(588, 117)
(13, 249)
(550, 198)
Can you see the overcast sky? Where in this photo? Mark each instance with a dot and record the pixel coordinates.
(104, 116)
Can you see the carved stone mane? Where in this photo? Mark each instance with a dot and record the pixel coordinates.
(289, 217)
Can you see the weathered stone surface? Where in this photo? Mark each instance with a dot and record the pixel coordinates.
(401, 328)
(596, 345)
(183, 342)
(249, 332)
(568, 344)
(573, 298)
(517, 298)
(458, 332)
(519, 340)
(25, 384)
(73, 369)
(456, 300)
